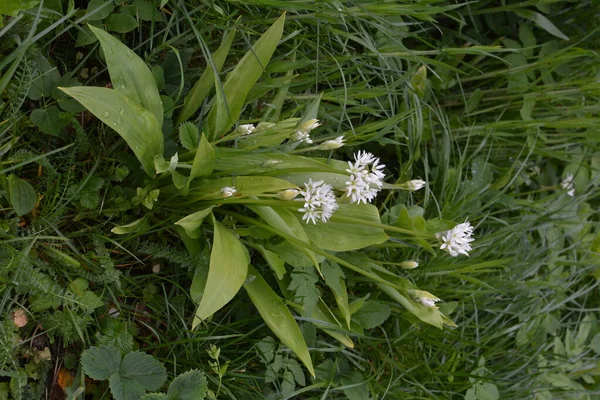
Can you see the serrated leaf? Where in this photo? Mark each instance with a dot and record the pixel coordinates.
(136, 125)
(100, 362)
(192, 222)
(189, 135)
(114, 333)
(154, 396)
(125, 388)
(201, 89)
(303, 284)
(130, 75)
(277, 316)
(230, 99)
(144, 369)
(22, 195)
(190, 385)
(226, 274)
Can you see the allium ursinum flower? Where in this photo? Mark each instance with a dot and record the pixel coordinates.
(366, 178)
(332, 144)
(246, 129)
(568, 183)
(457, 240)
(415, 184)
(409, 264)
(228, 191)
(425, 298)
(319, 201)
(303, 132)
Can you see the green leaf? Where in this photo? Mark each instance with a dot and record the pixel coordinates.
(136, 125)
(22, 195)
(230, 100)
(154, 396)
(430, 315)
(195, 97)
(48, 120)
(345, 234)
(130, 75)
(114, 333)
(192, 222)
(144, 369)
(189, 135)
(100, 362)
(204, 160)
(139, 225)
(190, 385)
(335, 279)
(274, 261)
(247, 186)
(372, 314)
(226, 275)
(277, 316)
(125, 388)
(121, 23)
(104, 9)
(331, 325)
(303, 283)
(542, 22)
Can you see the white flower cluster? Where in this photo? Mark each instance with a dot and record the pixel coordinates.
(457, 240)
(303, 132)
(319, 201)
(246, 129)
(568, 184)
(366, 178)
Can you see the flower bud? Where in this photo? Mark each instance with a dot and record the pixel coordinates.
(332, 144)
(288, 194)
(228, 191)
(409, 264)
(415, 184)
(309, 125)
(423, 297)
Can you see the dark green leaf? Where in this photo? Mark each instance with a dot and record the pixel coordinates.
(101, 362)
(372, 314)
(144, 369)
(121, 23)
(190, 385)
(48, 120)
(22, 195)
(125, 388)
(303, 284)
(542, 22)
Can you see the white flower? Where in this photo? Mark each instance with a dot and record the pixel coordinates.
(332, 144)
(415, 184)
(319, 202)
(409, 264)
(568, 183)
(246, 129)
(288, 194)
(366, 178)
(303, 132)
(457, 240)
(228, 191)
(425, 298)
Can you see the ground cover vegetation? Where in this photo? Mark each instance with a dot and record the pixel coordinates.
(299, 200)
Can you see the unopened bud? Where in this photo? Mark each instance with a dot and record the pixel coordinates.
(228, 191)
(425, 298)
(332, 144)
(309, 125)
(415, 184)
(409, 264)
(288, 194)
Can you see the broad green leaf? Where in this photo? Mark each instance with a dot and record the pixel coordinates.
(130, 75)
(125, 388)
(232, 161)
(274, 261)
(336, 179)
(335, 279)
(100, 362)
(195, 97)
(138, 225)
(246, 186)
(22, 195)
(322, 313)
(226, 275)
(136, 125)
(104, 8)
(192, 222)
(347, 235)
(144, 369)
(542, 22)
(190, 385)
(121, 23)
(372, 314)
(230, 99)
(284, 220)
(48, 120)
(204, 159)
(277, 316)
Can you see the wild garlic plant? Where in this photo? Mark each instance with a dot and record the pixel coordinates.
(249, 187)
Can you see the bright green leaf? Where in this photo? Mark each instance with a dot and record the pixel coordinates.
(136, 125)
(277, 316)
(246, 186)
(204, 160)
(192, 222)
(130, 75)
(230, 99)
(228, 269)
(189, 135)
(139, 225)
